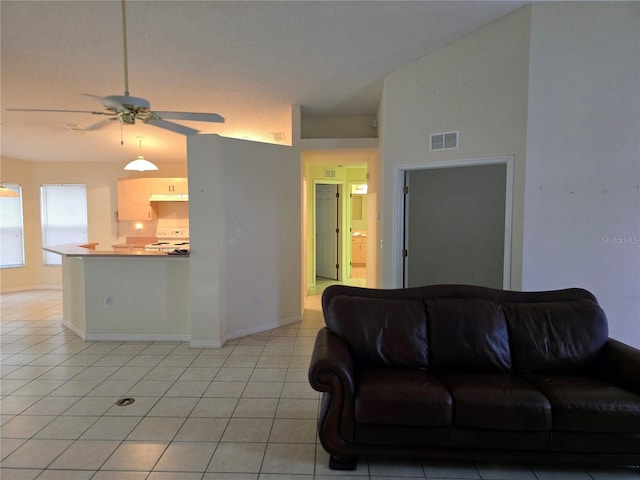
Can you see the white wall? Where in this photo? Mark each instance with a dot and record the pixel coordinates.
(555, 84)
(245, 225)
(582, 200)
(477, 85)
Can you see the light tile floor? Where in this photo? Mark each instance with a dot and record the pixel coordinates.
(357, 279)
(242, 412)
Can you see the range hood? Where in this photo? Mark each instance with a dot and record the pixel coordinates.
(169, 197)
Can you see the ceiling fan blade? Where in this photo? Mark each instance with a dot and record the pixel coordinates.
(198, 117)
(91, 95)
(174, 127)
(53, 110)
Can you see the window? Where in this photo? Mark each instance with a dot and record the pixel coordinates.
(11, 229)
(64, 217)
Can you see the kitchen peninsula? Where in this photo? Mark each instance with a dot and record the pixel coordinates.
(124, 294)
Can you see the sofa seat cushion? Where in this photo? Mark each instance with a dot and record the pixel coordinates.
(586, 404)
(402, 397)
(497, 401)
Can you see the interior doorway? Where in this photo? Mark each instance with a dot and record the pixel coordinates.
(335, 167)
(456, 223)
(356, 267)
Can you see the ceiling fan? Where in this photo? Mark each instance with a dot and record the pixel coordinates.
(127, 109)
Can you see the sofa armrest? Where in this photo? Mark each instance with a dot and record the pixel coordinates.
(620, 364)
(331, 365)
(332, 371)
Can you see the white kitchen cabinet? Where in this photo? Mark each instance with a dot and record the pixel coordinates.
(133, 200)
(358, 250)
(160, 186)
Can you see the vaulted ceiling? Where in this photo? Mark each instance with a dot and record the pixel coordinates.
(248, 61)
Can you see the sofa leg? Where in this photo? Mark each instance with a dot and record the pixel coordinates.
(337, 462)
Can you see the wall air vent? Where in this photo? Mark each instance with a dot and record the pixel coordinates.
(279, 137)
(329, 173)
(444, 141)
(75, 128)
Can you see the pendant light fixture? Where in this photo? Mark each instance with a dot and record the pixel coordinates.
(140, 164)
(7, 192)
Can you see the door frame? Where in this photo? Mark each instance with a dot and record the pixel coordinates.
(398, 220)
(341, 222)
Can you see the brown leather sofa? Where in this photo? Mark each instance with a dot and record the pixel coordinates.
(464, 372)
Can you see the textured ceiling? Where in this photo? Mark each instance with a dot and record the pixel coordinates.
(247, 61)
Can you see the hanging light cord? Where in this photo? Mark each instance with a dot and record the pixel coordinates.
(124, 47)
(126, 62)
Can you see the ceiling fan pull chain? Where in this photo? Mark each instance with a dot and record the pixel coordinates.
(121, 135)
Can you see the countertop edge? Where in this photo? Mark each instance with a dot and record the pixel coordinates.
(89, 250)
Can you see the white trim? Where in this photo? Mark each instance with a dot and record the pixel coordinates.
(398, 220)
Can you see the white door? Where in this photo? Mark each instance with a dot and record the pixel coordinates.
(456, 226)
(327, 231)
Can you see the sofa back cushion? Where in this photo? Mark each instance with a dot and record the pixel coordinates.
(467, 335)
(381, 332)
(555, 337)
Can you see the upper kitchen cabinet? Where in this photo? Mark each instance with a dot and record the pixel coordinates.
(163, 186)
(133, 199)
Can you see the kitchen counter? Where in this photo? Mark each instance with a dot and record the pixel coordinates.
(90, 250)
(108, 296)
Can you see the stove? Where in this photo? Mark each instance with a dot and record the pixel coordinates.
(168, 245)
(170, 240)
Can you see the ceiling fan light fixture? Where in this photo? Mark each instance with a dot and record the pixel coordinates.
(140, 164)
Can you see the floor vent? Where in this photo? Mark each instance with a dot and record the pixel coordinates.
(444, 141)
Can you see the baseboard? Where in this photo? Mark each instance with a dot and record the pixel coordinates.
(135, 337)
(205, 344)
(125, 337)
(261, 328)
(30, 288)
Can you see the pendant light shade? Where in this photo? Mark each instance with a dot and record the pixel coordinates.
(140, 164)
(7, 192)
